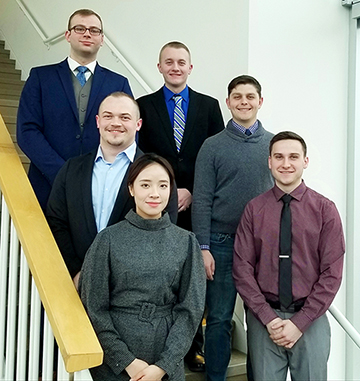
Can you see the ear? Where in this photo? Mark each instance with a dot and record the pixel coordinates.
(67, 35)
(139, 124)
(97, 121)
(306, 162)
(269, 162)
(227, 103)
(261, 102)
(159, 68)
(190, 69)
(131, 190)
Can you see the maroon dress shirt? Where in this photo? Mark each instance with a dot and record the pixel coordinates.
(317, 253)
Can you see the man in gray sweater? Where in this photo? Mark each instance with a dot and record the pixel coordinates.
(231, 169)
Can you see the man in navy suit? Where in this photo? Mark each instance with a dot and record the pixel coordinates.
(176, 122)
(58, 105)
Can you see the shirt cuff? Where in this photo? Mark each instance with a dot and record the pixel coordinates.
(205, 247)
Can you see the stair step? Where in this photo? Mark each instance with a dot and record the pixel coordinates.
(236, 369)
(8, 69)
(14, 75)
(6, 60)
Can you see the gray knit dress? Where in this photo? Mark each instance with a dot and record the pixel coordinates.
(143, 285)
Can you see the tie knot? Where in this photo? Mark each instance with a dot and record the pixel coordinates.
(177, 98)
(82, 69)
(286, 198)
(247, 132)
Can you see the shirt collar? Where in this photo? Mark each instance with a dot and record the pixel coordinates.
(241, 128)
(168, 94)
(297, 193)
(129, 152)
(73, 65)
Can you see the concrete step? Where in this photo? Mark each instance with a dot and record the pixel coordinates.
(236, 369)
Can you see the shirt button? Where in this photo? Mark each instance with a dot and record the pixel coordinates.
(83, 95)
(83, 109)
(78, 136)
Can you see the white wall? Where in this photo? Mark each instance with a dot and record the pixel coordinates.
(298, 50)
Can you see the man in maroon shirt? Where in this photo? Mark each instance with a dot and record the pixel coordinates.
(296, 336)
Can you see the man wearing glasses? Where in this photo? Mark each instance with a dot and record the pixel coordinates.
(56, 116)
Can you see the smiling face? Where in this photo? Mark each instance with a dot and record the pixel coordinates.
(244, 103)
(117, 121)
(175, 67)
(84, 47)
(151, 191)
(287, 163)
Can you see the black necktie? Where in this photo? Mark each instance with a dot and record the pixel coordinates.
(285, 279)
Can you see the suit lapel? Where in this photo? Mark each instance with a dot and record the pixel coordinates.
(160, 107)
(65, 77)
(193, 109)
(86, 173)
(97, 82)
(123, 198)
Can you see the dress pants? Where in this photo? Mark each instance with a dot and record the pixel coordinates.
(220, 303)
(307, 359)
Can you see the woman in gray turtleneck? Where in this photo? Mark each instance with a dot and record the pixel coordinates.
(143, 284)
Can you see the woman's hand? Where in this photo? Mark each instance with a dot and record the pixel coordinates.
(151, 373)
(135, 367)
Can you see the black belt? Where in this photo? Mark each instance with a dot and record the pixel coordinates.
(294, 307)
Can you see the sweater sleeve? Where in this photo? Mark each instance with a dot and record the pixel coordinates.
(95, 295)
(203, 197)
(187, 312)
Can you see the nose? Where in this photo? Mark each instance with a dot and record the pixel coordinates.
(286, 162)
(87, 33)
(243, 101)
(154, 193)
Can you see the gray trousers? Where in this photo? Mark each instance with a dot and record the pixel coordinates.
(307, 359)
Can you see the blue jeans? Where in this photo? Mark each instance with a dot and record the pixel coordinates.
(220, 302)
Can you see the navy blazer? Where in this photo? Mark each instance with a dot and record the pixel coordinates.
(48, 128)
(70, 212)
(204, 119)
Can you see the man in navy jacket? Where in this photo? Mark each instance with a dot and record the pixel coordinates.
(56, 117)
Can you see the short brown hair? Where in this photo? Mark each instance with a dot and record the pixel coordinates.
(176, 45)
(120, 94)
(85, 12)
(287, 135)
(244, 80)
(144, 161)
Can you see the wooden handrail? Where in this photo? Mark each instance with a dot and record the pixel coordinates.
(71, 326)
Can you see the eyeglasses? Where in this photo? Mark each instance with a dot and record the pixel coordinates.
(80, 29)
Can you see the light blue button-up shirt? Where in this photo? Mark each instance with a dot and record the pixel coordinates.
(106, 181)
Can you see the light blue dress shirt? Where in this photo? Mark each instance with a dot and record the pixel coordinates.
(106, 181)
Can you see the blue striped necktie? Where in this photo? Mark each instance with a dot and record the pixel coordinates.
(81, 75)
(179, 121)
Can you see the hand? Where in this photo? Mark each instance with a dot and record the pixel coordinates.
(286, 333)
(209, 263)
(136, 367)
(184, 199)
(76, 281)
(277, 323)
(150, 373)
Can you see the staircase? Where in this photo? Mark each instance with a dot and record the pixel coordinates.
(10, 89)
